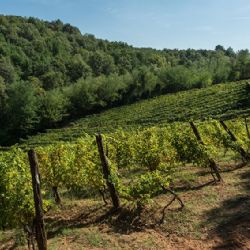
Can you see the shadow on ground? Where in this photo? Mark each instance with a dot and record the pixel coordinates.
(122, 221)
(232, 218)
(228, 225)
(125, 220)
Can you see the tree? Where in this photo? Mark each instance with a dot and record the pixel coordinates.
(144, 82)
(52, 80)
(101, 63)
(7, 71)
(77, 68)
(243, 63)
(22, 101)
(178, 78)
(3, 96)
(220, 67)
(3, 111)
(230, 52)
(220, 48)
(53, 108)
(82, 96)
(110, 89)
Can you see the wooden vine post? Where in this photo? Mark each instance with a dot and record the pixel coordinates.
(106, 173)
(38, 221)
(241, 150)
(247, 129)
(212, 164)
(56, 195)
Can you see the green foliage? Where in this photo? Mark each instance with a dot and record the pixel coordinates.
(178, 78)
(78, 68)
(3, 96)
(7, 71)
(146, 186)
(52, 80)
(96, 93)
(189, 150)
(222, 101)
(142, 164)
(16, 197)
(101, 63)
(94, 74)
(22, 108)
(74, 166)
(53, 107)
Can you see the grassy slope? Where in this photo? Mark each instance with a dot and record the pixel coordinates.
(219, 101)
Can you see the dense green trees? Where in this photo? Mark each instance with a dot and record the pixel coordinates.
(50, 72)
(7, 71)
(102, 63)
(53, 107)
(22, 106)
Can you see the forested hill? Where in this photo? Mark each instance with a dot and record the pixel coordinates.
(50, 73)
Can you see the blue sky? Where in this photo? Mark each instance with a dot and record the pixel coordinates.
(148, 23)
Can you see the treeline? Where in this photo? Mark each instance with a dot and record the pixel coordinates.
(50, 73)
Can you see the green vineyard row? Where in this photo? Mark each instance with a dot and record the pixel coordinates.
(223, 101)
(142, 162)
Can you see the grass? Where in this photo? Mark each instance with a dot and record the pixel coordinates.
(89, 237)
(223, 101)
(95, 239)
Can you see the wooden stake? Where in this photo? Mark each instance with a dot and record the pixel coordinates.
(39, 221)
(241, 150)
(212, 164)
(247, 129)
(56, 195)
(106, 172)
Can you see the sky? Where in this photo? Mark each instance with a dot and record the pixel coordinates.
(182, 24)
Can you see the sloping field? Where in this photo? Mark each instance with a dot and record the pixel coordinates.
(222, 101)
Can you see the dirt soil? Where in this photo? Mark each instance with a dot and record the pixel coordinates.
(215, 216)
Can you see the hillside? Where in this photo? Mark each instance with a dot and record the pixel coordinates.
(109, 145)
(51, 73)
(223, 101)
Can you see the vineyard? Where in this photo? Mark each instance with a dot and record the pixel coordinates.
(223, 101)
(139, 140)
(127, 169)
